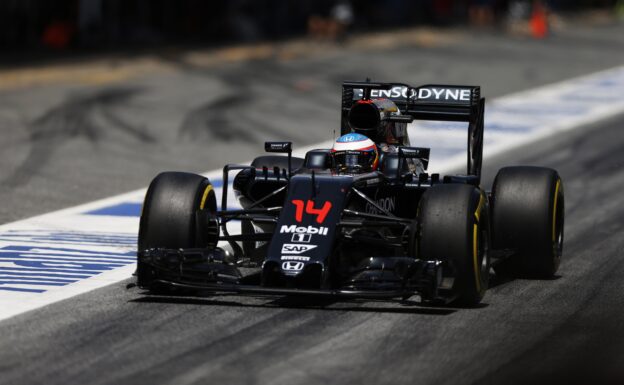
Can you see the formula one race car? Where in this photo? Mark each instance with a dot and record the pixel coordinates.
(361, 220)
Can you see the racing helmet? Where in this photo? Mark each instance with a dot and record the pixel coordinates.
(354, 153)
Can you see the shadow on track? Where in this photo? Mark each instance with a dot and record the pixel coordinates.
(501, 280)
(406, 307)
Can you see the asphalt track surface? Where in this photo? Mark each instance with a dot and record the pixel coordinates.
(566, 330)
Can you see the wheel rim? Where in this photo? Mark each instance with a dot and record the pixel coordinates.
(484, 261)
(485, 258)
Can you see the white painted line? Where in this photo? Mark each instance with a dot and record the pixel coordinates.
(58, 255)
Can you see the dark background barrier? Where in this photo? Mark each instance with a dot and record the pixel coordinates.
(39, 25)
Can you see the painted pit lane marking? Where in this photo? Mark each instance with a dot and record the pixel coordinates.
(25, 266)
(58, 255)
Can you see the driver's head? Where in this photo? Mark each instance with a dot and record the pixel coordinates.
(354, 153)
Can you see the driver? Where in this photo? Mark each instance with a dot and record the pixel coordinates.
(354, 153)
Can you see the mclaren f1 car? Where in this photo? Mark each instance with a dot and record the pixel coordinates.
(328, 225)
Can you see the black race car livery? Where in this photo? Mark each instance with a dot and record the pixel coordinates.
(393, 232)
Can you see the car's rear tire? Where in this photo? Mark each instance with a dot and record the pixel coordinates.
(528, 218)
(169, 216)
(453, 227)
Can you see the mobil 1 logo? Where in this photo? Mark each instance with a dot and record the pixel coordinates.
(301, 238)
(310, 230)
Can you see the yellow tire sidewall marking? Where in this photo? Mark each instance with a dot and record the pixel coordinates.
(475, 240)
(475, 244)
(205, 196)
(554, 215)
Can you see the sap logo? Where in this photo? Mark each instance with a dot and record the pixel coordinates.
(388, 204)
(289, 248)
(301, 238)
(292, 266)
(294, 258)
(303, 230)
(456, 94)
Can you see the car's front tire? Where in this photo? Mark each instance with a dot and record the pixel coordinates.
(169, 216)
(453, 227)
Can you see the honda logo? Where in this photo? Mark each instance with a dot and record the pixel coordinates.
(292, 266)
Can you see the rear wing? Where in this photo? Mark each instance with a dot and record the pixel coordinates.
(429, 102)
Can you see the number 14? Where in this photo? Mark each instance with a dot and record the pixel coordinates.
(310, 209)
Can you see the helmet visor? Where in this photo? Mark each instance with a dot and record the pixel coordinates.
(353, 161)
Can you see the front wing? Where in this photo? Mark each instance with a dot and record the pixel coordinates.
(211, 271)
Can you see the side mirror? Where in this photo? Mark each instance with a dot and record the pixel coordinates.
(420, 153)
(281, 147)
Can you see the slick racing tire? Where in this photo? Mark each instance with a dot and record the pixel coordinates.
(453, 228)
(271, 161)
(527, 219)
(169, 218)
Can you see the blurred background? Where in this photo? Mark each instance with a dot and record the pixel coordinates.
(62, 26)
(99, 96)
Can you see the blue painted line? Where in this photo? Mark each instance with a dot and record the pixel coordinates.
(65, 252)
(50, 269)
(99, 267)
(124, 259)
(111, 258)
(85, 243)
(41, 265)
(126, 209)
(606, 83)
(43, 236)
(588, 98)
(133, 209)
(73, 258)
(63, 261)
(19, 289)
(8, 282)
(38, 279)
(33, 264)
(67, 257)
(39, 274)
